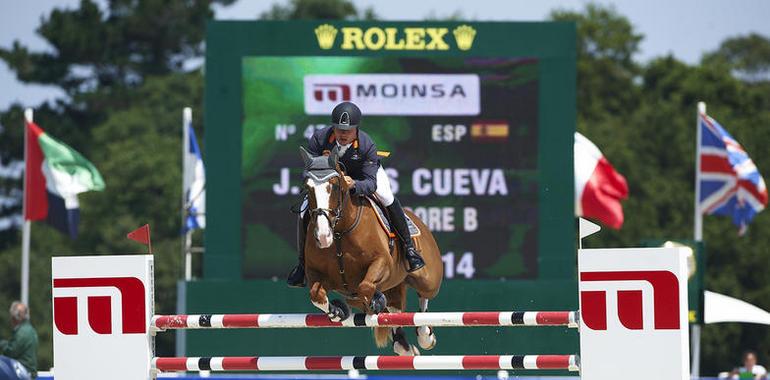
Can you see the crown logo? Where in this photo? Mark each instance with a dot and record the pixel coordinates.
(464, 36)
(325, 34)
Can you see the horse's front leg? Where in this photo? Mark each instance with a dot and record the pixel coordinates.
(368, 286)
(337, 310)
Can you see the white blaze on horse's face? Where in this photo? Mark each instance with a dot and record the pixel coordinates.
(323, 232)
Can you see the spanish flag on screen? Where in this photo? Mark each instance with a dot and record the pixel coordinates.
(55, 175)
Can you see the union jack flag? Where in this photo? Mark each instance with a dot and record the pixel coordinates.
(730, 183)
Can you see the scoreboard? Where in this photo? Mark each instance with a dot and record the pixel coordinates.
(462, 134)
(478, 119)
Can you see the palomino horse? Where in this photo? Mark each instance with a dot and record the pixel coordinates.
(349, 253)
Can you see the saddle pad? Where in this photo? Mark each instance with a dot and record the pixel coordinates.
(385, 223)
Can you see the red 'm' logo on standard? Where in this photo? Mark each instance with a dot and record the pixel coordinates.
(132, 305)
(665, 289)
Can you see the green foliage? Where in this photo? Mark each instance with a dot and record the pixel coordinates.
(605, 66)
(749, 56)
(317, 10)
(118, 46)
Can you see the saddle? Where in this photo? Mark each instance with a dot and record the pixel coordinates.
(383, 217)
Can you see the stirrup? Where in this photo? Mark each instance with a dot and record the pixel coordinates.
(292, 281)
(418, 263)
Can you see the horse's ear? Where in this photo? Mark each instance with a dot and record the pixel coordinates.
(306, 157)
(334, 157)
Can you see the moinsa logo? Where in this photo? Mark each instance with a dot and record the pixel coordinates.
(331, 92)
(665, 294)
(132, 305)
(395, 94)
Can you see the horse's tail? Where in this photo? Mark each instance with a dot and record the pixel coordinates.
(381, 336)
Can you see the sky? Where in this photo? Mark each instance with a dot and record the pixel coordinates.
(684, 28)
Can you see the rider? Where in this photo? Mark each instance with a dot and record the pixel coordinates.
(364, 175)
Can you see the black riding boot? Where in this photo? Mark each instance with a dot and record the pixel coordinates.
(397, 216)
(296, 278)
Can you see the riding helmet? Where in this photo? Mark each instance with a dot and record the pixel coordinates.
(345, 116)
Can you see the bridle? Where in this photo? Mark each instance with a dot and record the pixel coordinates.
(334, 216)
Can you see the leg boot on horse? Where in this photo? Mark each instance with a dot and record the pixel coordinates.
(413, 259)
(296, 278)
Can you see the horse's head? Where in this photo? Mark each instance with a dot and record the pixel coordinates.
(326, 193)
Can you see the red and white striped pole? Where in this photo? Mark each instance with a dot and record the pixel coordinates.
(344, 363)
(435, 319)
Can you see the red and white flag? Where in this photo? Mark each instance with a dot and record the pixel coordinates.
(598, 187)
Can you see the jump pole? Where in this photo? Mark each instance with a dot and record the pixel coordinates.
(344, 363)
(434, 319)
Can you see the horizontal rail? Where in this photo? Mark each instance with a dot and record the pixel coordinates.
(342, 363)
(435, 319)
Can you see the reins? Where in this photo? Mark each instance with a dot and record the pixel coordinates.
(338, 235)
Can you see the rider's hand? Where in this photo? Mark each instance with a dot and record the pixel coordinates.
(349, 181)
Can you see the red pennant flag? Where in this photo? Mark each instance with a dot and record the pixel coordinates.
(141, 235)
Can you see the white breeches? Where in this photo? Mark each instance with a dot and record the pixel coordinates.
(384, 192)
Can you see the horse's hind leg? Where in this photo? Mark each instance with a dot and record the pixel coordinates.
(396, 304)
(425, 335)
(400, 342)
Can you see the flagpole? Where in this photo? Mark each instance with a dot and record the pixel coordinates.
(181, 305)
(187, 238)
(697, 235)
(698, 232)
(27, 226)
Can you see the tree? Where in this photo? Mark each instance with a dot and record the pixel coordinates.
(748, 56)
(317, 10)
(122, 69)
(606, 70)
(114, 47)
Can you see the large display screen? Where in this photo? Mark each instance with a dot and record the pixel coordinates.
(462, 134)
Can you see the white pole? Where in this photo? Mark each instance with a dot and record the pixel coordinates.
(181, 294)
(186, 174)
(188, 256)
(27, 226)
(698, 233)
(695, 340)
(697, 236)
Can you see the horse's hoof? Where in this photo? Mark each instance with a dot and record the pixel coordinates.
(338, 311)
(426, 338)
(400, 350)
(379, 302)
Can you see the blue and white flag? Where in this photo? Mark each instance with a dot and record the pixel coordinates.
(730, 183)
(194, 178)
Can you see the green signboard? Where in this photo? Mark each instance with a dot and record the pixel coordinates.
(478, 119)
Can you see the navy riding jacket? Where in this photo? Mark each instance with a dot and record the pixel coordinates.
(360, 160)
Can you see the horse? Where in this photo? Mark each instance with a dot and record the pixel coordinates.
(351, 254)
